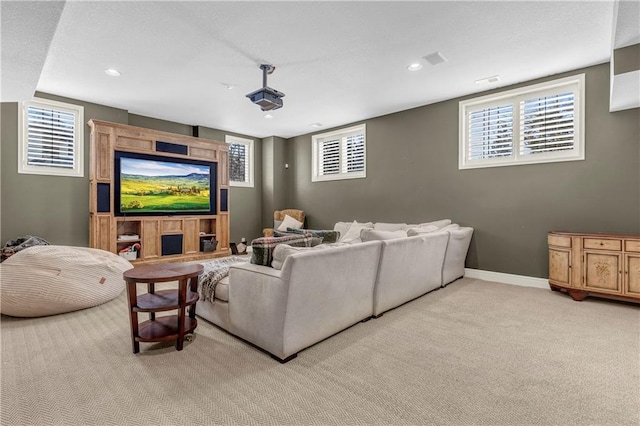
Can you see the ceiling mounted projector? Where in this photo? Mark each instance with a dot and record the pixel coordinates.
(268, 98)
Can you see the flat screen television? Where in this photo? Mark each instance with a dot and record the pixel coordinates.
(149, 185)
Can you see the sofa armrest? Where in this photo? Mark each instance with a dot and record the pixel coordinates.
(257, 305)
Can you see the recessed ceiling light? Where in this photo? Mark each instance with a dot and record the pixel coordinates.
(316, 125)
(269, 116)
(228, 86)
(435, 58)
(492, 79)
(112, 72)
(414, 67)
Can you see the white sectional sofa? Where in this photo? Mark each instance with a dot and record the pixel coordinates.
(322, 290)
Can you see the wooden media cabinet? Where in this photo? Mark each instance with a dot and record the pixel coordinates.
(160, 238)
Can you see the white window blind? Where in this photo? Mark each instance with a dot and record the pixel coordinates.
(51, 139)
(534, 124)
(340, 154)
(240, 161)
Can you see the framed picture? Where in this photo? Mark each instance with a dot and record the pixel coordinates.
(234, 249)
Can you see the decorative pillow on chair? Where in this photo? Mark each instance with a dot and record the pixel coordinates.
(262, 248)
(328, 236)
(289, 222)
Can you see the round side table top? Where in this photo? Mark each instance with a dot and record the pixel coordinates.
(162, 272)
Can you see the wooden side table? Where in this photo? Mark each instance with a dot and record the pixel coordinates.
(164, 328)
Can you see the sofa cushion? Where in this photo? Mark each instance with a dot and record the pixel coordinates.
(327, 235)
(452, 227)
(262, 248)
(222, 289)
(375, 235)
(353, 234)
(289, 222)
(381, 226)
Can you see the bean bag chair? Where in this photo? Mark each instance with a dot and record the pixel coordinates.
(48, 280)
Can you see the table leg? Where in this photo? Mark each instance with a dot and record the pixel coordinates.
(194, 287)
(182, 300)
(151, 288)
(133, 301)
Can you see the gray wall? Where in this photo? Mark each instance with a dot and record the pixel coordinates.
(57, 208)
(245, 204)
(413, 176)
(274, 178)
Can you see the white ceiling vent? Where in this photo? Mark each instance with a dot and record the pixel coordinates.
(435, 58)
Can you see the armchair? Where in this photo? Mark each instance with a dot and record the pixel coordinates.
(278, 217)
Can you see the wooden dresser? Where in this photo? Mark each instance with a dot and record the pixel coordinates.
(604, 265)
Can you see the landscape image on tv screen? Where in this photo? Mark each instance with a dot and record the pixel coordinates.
(151, 186)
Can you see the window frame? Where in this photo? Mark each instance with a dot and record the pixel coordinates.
(78, 139)
(574, 83)
(315, 157)
(230, 140)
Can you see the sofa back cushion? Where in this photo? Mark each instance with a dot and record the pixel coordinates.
(262, 248)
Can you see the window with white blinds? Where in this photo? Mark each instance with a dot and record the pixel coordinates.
(340, 154)
(535, 124)
(240, 161)
(51, 139)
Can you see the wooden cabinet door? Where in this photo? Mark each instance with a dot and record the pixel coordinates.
(560, 266)
(151, 239)
(632, 275)
(191, 240)
(603, 271)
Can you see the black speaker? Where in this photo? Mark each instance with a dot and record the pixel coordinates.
(172, 148)
(224, 195)
(103, 198)
(171, 244)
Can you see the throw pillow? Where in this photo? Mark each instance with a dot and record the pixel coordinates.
(375, 235)
(342, 227)
(418, 230)
(289, 222)
(353, 234)
(381, 226)
(262, 248)
(328, 236)
(282, 251)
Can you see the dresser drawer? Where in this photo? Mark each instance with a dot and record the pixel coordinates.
(632, 245)
(559, 241)
(602, 244)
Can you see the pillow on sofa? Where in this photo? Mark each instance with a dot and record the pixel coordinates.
(328, 236)
(381, 226)
(452, 227)
(376, 235)
(289, 222)
(342, 227)
(353, 234)
(439, 223)
(418, 230)
(282, 251)
(262, 248)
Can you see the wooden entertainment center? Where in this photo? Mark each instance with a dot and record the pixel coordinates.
(161, 238)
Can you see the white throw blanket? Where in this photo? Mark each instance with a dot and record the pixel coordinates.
(214, 271)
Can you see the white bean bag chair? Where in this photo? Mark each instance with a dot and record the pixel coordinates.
(49, 280)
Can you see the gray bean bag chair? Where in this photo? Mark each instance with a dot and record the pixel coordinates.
(49, 280)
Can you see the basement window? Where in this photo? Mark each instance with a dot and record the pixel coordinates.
(542, 123)
(240, 161)
(340, 154)
(51, 138)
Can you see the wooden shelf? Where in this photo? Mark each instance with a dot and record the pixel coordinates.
(163, 300)
(163, 329)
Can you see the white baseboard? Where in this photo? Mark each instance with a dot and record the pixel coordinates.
(521, 280)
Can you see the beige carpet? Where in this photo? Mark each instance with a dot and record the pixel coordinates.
(473, 353)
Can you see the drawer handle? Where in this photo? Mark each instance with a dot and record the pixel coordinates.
(601, 243)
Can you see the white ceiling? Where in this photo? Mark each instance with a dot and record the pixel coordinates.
(337, 62)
